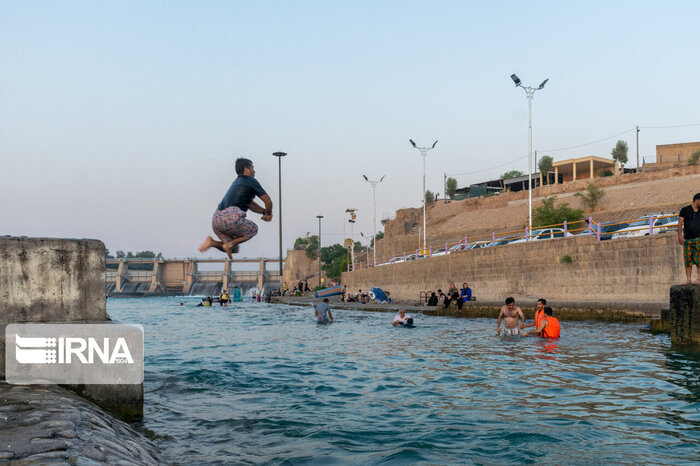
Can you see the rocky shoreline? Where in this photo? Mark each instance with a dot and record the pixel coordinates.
(49, 424)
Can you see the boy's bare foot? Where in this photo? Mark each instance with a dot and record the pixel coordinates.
(227, 250)
(685, 283)
(206, 244)
(697, 282)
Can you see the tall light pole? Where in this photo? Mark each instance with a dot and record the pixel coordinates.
(279, 156)
(530, 93)
(424, 153)
(319, 217)
(352, 211)
(374, 203)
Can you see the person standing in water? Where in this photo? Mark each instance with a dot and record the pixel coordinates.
(323, 312)
(548, 326)
(229, 221)
(539, 313)
(511, 316)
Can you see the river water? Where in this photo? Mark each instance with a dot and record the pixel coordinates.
(262, 383)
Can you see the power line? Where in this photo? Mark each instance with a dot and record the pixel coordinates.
(588, 143)
(488, 169)
(671, 126)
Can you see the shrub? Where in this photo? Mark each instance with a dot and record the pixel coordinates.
(550, 214)
(592, 196)
(566, 259)
(693, 159)
(606, 173)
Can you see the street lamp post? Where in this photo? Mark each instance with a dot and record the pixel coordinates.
(530, 93)
(374, 204)
(319, 217)
(279, 156)
(424, 153)
(352, 211)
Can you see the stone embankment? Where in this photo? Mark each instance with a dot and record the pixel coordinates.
(50, 425)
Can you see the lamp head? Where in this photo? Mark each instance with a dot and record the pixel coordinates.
(434, 144)
(279, 154)
(515, 79)
(413, 143)
(365, 177)
(543, 83)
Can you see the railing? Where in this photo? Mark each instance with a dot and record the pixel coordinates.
(649, 225)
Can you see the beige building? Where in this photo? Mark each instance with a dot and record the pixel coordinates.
(582, 168)
(676, 153)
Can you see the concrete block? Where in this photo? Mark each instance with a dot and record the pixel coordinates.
(684, 315)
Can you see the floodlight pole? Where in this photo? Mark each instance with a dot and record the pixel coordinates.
(424, 153)
(319, 217)
(374, 209)
(352, 211)
(279, 156)
(530, 93)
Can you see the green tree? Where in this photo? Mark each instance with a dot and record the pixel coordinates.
(545, 166)
(121, 255)
(312, 247)
(451, 187)
(592, 196)
(379, 236)
(550, 214)
(619, 152)
(693, 159)
(512, 174)
(429, 196)
(108, 255)
(384, 220)
(334, 260)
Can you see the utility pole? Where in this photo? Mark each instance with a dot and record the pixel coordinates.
(279, 156)
(637, 149)
(319, 217)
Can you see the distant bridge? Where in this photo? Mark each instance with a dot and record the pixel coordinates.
(179, 276)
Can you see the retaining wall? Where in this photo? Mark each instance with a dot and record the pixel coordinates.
(628, 270)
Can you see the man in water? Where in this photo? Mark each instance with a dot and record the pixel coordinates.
(511, 316)
(548, 327)
(323, 312)
(401, 318)
(229, 222)
(539, 313)
(689, 238)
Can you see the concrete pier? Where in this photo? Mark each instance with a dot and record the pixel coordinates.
(60, 281)
(684, 315)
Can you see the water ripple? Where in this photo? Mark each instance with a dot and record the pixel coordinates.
(258, 384)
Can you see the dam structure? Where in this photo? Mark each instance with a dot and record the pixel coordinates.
(183, 277)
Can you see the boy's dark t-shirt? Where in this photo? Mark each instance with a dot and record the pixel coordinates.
(241, 193)
(691, 222)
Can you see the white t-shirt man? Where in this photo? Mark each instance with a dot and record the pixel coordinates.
(401, 318)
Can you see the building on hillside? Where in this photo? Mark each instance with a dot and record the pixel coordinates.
(520, 183)
(480, 189)
(582, 168)
(670, 154)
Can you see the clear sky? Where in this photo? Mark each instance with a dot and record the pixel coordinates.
(121, 120)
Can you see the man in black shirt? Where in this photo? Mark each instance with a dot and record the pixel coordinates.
(689, 237)
(229, 222)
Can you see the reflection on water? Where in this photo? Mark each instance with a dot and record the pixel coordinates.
(258, 383)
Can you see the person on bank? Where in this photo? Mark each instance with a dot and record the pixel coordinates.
(402, 318)
(689, 238)
(511, 315)
(465, 293)
(229, 221)
(539, 313)
(548, 326)
(323, 312)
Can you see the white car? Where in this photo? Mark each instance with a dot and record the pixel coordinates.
(542, 234)
(663, 222)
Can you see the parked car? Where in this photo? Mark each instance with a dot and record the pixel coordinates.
(663, 222)
(507, 240)
(542, 234)
(479, 245)
(456, 247)
(439, 252)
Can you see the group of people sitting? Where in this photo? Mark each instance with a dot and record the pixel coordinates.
(453, 295)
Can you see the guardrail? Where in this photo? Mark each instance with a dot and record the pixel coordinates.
(642, 226)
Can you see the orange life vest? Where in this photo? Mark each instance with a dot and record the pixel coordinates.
(552, 328)
(538, 317)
